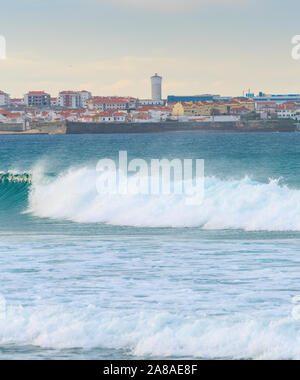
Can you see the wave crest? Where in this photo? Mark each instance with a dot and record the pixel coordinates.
(231, 204)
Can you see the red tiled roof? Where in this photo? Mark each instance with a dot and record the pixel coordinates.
(105, 114)
(16, 100)
(68, 93)
(108, 100)
(141, 116)
(37, 93)
(13, 115)
(285, 107)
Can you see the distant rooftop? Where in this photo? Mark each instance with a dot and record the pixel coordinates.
(37, 93)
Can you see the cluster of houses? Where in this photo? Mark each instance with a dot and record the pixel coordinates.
(285, 110)
(81, 106)
(222, 110)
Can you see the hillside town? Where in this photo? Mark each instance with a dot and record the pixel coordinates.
(82, 106)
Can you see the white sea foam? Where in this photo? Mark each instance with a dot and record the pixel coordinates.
(151, 334)
(228, 204)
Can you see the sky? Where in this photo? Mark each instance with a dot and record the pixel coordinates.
(113, 47)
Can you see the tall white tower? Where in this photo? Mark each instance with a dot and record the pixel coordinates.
(156, 82)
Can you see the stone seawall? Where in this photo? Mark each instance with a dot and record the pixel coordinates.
(11, 127)
(162, 127)
(173, 127)
(50, 128)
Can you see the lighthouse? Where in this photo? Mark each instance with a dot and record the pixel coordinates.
(156, 82)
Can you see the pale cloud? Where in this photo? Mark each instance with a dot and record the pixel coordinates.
(130, 75)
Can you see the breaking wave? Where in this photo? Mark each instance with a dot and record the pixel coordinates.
(14, 190)
(228, 204)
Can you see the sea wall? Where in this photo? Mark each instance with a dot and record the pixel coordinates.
(173, 127)
(11, 127)
(55, 128)
(162, 127)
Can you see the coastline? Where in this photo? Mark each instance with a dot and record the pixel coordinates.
(29, 132)
(58, 128)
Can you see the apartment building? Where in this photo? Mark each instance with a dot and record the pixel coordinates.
(37, 99)
(73, 99)
(4, 99)
(109, 103)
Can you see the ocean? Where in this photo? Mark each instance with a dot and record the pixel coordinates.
(85, 276)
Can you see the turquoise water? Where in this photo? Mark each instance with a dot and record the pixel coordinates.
(97, 277)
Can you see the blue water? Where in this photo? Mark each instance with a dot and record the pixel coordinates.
(85, 276)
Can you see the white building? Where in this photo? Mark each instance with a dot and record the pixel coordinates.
(156, 82)
(113, 117)
(17, 101)
(73, 99)
(286, 114)
(120, 116)
(68, 99)
(4, 99)
(84, 96)
(109, 103)
(150, 102)
(216, 119)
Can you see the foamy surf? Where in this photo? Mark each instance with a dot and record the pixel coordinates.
(151, 334)
(228, 204)
(100, 291)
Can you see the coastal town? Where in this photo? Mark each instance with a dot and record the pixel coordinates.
(21, 114)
